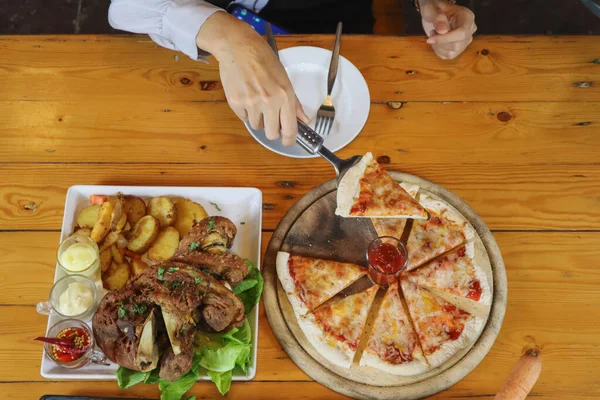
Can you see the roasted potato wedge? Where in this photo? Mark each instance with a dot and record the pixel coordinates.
(116, 277)
(88, 216)
(102, 225)
(105, 260)
(135, 208)
(82, 231)
(138, 266)
(118, 254)
(143, 235)
(163, 210)
(187, 212)
(165, 245)
(109, 240)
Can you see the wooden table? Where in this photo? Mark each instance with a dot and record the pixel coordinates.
(512, 127)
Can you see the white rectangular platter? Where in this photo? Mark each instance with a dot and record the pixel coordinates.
(243, 206)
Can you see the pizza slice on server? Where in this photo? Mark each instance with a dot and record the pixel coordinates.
(456, 273)
(445, 230)
(443, 329)
(367, 190)
(310, 282)
(393, 346)
(335, 329)
(394, 226)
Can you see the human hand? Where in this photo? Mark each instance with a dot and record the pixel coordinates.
(256, 85)
(450, 28)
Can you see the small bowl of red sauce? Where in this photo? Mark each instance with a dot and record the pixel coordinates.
(70, 344)
(387, 258)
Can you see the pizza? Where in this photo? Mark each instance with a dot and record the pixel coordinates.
(442, 328)
(456, 273)
(445, 230)
(367, 190)
(393, 346)
(310, 282)
(394, 226)
(335, 329)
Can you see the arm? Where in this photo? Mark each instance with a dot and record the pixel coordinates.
(255, 83)
(450, 27)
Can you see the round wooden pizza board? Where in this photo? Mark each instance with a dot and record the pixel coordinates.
(311, 228)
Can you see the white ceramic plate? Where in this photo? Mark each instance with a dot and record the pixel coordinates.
(237, 204)
(307, 68)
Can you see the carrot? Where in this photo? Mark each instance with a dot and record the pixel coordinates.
(131, 254)
(98, 199)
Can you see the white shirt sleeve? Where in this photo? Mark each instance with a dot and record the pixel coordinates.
(173, 24)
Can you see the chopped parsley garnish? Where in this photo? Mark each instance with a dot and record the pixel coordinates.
(160, 273)
(198, 279)
(206, 271)
(173, 284)
(182, 329)
(140, 308)
(122, 312)
(242, 223)
(215, 205)
(172, 269)
(211, 224)
(194, 246)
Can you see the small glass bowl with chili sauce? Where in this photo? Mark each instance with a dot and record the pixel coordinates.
(70, 344)
(387, 258)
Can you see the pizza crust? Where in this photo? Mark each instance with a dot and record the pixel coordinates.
(412, 368)
(340, 354)
(448, 349)
(283, 272)
(349, 187)
(452, 215)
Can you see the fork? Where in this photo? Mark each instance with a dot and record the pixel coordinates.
(326, 113)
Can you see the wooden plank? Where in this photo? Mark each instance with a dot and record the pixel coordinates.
(553, 313)
(506, 68)
(507, 197)
(192, 132)
(389, 17)
(202, 390)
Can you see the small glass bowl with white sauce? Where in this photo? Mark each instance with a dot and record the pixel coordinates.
(74, 296)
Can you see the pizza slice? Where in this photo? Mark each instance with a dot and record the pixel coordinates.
(310, 282)
(367, 190)
(443, 329)
(394, 226)
(445, 230)
(456, 273)
(393, 346)
(335, 329)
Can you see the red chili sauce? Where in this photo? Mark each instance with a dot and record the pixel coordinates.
(80, 337)
(386, 260)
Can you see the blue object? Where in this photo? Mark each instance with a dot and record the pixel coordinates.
(256, 22)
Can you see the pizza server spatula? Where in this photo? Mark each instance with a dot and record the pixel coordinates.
(310, 140)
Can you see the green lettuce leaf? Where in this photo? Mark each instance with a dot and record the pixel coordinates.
(225, 358)
(251, 293)
(222, 380)
(127, 378)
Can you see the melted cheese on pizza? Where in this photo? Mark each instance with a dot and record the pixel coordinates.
(394, 226)
(380, 195)
(436, 320)
(393, 339)
(344, 320)
(316, 281)
(454, 273)
(429, 239)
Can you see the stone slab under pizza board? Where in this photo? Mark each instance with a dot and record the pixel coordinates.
(311, 229)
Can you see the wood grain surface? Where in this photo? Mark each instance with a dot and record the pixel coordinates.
(511, 127)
